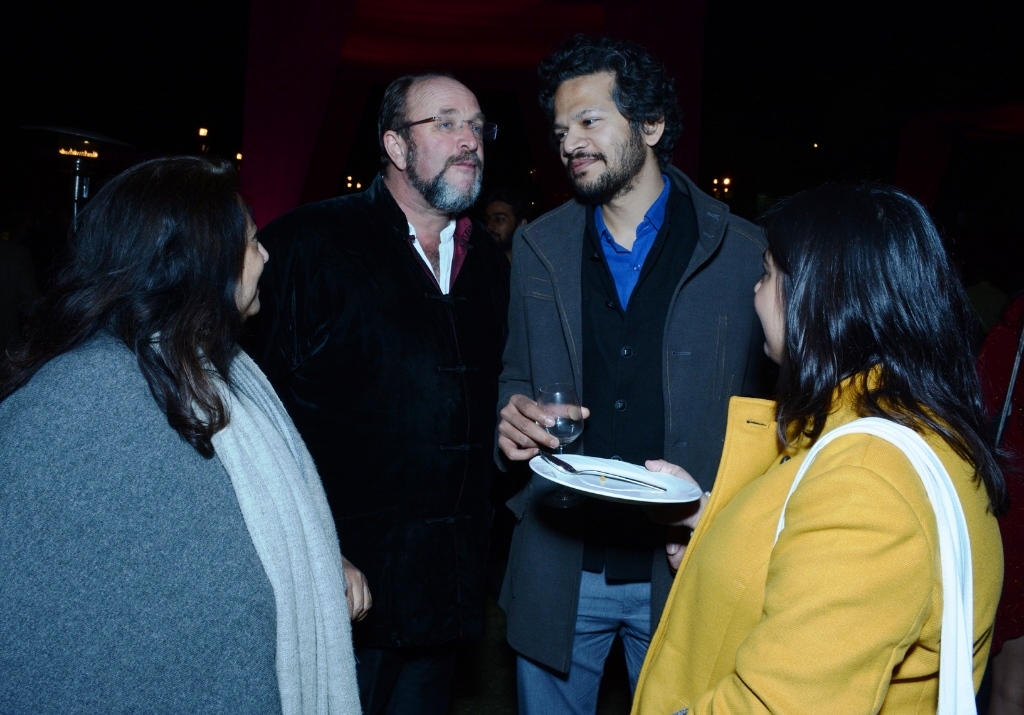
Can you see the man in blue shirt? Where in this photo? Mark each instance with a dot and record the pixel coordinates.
(640, 293)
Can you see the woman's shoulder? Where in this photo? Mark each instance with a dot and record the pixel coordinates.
(90, 412)
(94, 389)
(866, 448)
(869, 465)
(883, 458)
(877, 473)
(102, 353)
(96, 366)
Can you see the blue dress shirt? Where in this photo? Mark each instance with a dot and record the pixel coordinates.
(625, 265)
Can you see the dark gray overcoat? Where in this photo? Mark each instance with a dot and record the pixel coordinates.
(712, 349)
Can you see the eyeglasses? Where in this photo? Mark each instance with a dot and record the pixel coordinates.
(447, 125)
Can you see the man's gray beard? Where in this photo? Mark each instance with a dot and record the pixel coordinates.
(438, 192)
(617, 181)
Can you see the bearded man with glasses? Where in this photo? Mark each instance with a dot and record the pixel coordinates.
(383, 325)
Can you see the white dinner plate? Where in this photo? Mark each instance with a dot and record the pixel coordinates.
(658, 488)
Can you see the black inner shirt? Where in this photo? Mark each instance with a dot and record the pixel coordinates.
(623, 387)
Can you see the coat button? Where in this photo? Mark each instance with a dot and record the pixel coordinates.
(626, 351)
(620, 405)
(609, 304)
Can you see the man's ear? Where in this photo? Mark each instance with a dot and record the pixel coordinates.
(652, 131)
(397, 149)
(522, 222)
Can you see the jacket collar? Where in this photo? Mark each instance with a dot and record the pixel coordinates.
(712, 218)
(751, 446)
(751, 437)
(557, 240)
(557, 237)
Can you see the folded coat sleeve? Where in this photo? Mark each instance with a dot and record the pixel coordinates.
(849, 587)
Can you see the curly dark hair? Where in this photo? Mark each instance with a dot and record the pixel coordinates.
(866, 285)
(155, 261)
(644, 92)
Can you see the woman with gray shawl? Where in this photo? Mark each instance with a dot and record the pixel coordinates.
(165, 541)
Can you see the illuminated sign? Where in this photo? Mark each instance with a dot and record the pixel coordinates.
(79, 152)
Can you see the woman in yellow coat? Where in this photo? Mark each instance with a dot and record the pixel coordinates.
(865, 317)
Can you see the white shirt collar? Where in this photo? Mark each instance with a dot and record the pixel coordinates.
(446, 251)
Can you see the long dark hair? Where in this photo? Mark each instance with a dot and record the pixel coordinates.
(644, 92)
(159, 252)
(866, 283)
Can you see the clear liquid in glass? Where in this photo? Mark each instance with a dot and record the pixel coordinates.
(561, 402)
(565, 429)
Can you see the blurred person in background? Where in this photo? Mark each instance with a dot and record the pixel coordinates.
(504, 211)
(998, 364)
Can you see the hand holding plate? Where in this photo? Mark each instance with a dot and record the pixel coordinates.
(686, 515)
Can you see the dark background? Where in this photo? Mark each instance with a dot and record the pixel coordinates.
(778, 78)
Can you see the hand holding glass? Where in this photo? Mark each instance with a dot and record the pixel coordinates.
(560, 401)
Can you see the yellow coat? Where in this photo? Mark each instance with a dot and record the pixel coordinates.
(844, 614)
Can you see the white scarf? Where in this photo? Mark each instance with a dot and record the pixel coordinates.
(286, 511)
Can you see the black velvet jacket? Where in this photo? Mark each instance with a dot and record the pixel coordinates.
(392, 385)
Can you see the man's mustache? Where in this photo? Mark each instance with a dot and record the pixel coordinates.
(464, 158)
(584, 155)
(581, 155)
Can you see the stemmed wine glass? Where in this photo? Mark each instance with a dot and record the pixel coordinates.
(561, 402)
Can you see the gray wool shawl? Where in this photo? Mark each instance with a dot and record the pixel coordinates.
(288, 517)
